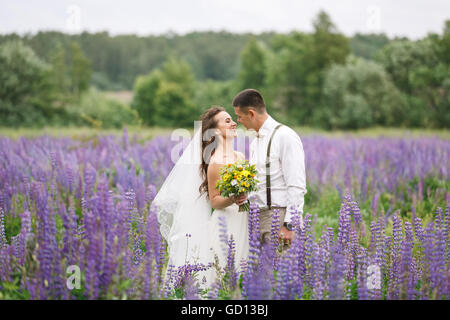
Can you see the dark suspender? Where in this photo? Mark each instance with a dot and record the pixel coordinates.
(269, 200)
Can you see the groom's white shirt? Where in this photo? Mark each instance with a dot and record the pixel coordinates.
(287, 167)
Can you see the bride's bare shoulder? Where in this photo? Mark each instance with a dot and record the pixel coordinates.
(213, 168)
(214, 162)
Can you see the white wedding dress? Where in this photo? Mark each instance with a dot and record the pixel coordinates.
(192, 232)
(236, 224)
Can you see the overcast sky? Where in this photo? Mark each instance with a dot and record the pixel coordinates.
(411, 18)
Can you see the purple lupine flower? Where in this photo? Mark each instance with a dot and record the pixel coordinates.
(185, 272)
(387, 250)
(361, 262)
(213, 293)
(160, 262)
(330, 238)
(379, 234)
(327, 244)
(25, 236)
(344, 223)
(191, 291)
(151, 193)
(428, 259)
(319, 272)
(5, 263)
(230, 267)
(395, 264)
(53, 160)
(274, 228)
(70, 179)
(406, 260)
(254, 248)
(356, 213)
(418, 230)
(3, 241)
(438, 258)
(168, 280)
(352, 253)
(92, 237)
(412, 293)
(298, 255)
(89, 180)
(110, 238)
(374, 227)
(284, 278)
(446, 229)
(46, 239)
(308, 250)
(259, 286)
(336, 284)
(153, 247)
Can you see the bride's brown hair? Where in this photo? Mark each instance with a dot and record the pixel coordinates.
(208, 123)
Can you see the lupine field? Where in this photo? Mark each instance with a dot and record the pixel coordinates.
(372, 204)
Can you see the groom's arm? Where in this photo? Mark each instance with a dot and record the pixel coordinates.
(293, 168)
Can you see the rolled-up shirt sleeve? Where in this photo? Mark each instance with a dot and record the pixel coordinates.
(293, 168)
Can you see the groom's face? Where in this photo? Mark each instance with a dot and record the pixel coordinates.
(245, 119)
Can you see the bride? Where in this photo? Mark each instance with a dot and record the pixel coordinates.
(192, 213)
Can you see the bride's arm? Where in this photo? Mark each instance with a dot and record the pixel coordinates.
(217, 201)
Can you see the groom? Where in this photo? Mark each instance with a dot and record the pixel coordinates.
(282, 179)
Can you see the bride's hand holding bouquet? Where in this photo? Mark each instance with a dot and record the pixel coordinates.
(236, 180)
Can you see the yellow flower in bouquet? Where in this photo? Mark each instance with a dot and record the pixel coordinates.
(236, 179)
(226, 177)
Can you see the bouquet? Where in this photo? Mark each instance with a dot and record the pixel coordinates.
(237, 179)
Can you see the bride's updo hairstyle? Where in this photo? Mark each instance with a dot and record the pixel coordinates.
(208, 123)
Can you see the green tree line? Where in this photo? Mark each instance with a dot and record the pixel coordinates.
(321, 79)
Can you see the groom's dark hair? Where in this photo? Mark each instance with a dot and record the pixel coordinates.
(249, 98)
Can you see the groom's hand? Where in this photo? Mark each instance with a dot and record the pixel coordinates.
(286, 236)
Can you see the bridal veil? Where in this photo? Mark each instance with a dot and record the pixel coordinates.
(182, 212)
